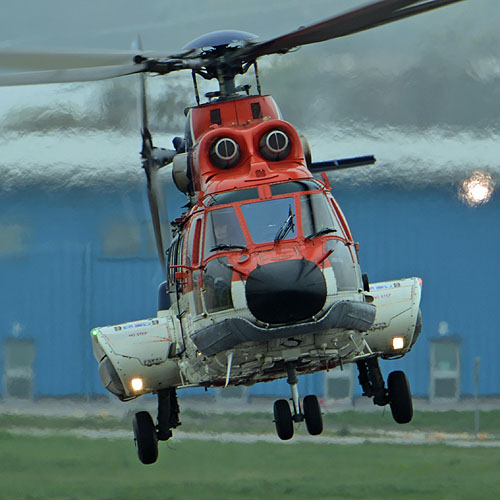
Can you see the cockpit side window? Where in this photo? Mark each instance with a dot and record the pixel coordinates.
(193, 246)
(343, 266)
(317, 216)
(197, 243)
(172, 259)
(223, 231)
(180, 248)
(342, 219)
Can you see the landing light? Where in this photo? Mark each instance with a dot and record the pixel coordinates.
(137, 384)
(398, 343)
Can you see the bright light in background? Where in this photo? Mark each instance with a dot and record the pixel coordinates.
(477, 189)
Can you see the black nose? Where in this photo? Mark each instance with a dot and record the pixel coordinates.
(286, 291)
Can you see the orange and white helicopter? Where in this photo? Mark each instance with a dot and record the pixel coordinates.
(263, 279)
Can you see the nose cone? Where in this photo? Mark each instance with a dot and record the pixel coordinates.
(286, 291)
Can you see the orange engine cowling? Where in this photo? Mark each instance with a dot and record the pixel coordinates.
(235, 143)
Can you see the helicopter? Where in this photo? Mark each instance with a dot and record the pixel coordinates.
(262, 274)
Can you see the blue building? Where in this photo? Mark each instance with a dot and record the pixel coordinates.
(80, 257)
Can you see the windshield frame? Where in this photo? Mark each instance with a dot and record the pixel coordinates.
(250, 244)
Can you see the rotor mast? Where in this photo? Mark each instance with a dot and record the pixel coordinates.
(225, 74)
(218, 58)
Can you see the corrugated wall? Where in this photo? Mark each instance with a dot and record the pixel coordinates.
(454, 248)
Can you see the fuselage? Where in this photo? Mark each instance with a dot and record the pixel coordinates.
(265, 252)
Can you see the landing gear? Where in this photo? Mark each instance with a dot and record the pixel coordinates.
(283, 416)
(168, 413)
(312, 415)
(397, 394)
(400, 397)
(147, 435)
(283, 419)
(146, 441)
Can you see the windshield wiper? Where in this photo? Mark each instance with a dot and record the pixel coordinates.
(228, 246)
(321, 232)
(288, 225)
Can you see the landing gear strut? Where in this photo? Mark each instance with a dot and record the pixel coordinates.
(372, 382)
(284, 417)
(147, 435)
(168, 413)
(397, 394)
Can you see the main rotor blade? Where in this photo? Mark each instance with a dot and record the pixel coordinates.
(69, 75)
(417, 9)
(142, 112)
(47, 59)
(155, 199)
(361, 19)
(157, 205)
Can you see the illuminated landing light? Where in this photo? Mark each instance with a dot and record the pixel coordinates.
(477, 189)
(398, 343)
(137, 384)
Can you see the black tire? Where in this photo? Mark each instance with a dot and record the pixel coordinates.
(312, 415)
(283, 419)
(146, 441)
(400, 397)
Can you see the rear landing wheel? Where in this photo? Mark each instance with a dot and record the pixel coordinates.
(146, 441)
(400, 397)
(312, 415)
(283, 419)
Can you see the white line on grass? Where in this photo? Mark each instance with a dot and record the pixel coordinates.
(229, 437)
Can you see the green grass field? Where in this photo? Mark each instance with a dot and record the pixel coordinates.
(74, 468)
(62, 467)
(77, 468)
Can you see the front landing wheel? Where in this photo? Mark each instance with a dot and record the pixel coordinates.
(283, 419)
(312, 415)
(146, 441)
(400, 397)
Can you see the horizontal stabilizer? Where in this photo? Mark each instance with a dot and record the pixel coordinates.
(358, 161)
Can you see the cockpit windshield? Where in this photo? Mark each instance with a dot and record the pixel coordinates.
(267, 219)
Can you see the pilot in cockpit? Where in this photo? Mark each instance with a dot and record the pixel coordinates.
(226, 228)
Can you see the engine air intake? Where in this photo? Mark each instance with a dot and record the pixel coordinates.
(224, 153)
(275, 145)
